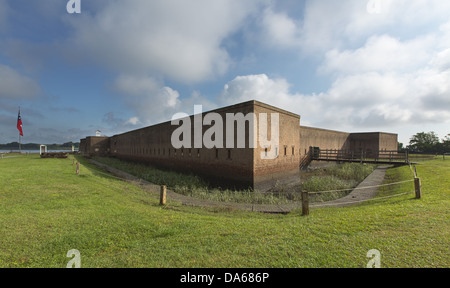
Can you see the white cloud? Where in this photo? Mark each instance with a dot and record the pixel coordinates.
(275, 92)
(181, 40)
(256, 87)
(328, 25)
(136, 86)
(380, 53)
(152, 102)
(391, 82)
(279, 30)
(386, 100)
(441, 60)
(355, 102)
(16, 86)
(133, 121)
(147, 97)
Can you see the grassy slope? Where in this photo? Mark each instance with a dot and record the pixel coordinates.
(46, 210)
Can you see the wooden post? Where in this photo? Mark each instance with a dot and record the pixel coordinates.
(305, 203)
(162, 199)
(418, 188)
(78, 169)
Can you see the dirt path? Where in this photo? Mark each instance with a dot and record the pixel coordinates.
(356, 196)
(359, 194)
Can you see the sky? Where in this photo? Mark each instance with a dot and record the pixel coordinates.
(120, 65)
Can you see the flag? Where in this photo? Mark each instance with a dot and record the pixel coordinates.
(19, 124)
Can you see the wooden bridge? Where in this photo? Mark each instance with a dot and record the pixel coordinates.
(368, 156)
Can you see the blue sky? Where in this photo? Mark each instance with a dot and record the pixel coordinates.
(352, 65)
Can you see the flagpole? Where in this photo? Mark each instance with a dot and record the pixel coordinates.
(20, 144)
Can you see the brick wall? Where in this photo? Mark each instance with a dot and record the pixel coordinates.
(388, 141)
(220, 165)
(93, 145)
(322, 138)
(287, 158)
(234, 166)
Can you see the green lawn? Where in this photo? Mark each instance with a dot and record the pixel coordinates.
(47, 210)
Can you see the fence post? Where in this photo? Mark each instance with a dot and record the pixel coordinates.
(418, 188)
(162, 199)
(305, 203)
(78, 169)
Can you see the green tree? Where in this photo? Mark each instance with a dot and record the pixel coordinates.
(446, 144)
(424, 142)
(400, 147)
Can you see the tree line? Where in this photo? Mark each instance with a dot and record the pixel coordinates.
(34, 146)
(427, 143)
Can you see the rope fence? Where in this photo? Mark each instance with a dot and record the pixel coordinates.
(358, 188)
(340, 202)
(361, 201)
(305, 195)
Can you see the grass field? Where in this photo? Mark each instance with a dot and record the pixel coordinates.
(47, 210)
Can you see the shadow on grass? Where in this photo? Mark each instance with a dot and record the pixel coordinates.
(95, 170)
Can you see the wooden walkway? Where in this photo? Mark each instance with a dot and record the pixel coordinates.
(372, 157)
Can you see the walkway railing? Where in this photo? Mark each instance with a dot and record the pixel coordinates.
(364, 156)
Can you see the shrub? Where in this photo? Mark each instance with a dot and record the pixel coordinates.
(340, 177)
(352, 171)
